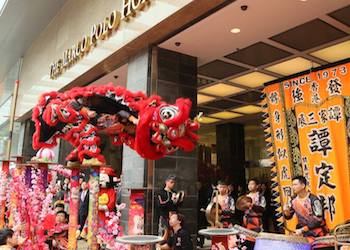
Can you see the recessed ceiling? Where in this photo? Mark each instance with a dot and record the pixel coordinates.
(225, 115)
(223, 104)
(219, 69)
(292, 66)
(258, 54)
(273, 42)
(248, 97)
(220, 89)
(249, 109)
(253, 80)
(342, 15)
(204, 98)
(207, 120)
(309, 35)
(203, 81)
(334, 53)
(205, 110)
(210, 38)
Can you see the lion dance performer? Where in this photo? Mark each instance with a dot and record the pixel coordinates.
(148, 125)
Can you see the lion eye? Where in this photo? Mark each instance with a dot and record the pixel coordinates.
(168, 112)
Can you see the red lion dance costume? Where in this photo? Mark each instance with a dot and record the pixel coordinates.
(146, 124)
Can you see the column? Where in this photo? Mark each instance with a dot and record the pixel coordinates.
(133, 166)
(170, 75)
(230, 151)
(174, 75)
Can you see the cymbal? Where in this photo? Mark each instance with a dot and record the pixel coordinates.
(242, 202)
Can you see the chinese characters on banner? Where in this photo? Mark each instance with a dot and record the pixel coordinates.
(280, 141)
(317, 124)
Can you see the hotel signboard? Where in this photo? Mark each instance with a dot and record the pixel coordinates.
(100, 31)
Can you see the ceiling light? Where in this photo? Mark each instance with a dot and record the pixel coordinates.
(292, 66)
(235, 30)
(220, 89)
(204, 98)
(3, 4)
(334, 53)
(207, 120)
(225, 115)
(253, 79)
(249, 109)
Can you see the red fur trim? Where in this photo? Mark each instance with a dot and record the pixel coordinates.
(143, 144)
(83, 153)
(147, 107)
(94, 141)
(184, 143)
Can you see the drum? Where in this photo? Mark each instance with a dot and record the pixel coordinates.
(269, 241)
(328, 242)
(247, 235)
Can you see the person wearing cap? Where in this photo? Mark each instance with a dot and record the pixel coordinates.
(167, 203)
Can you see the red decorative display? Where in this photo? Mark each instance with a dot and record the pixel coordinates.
(146, 124)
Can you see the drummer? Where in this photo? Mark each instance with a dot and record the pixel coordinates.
(227, 204)
(308, 210)
(167, 204)
(257, 197)
(254, 207)
(180, 239)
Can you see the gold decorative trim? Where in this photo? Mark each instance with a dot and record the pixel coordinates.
(291, 119)
(293, 137)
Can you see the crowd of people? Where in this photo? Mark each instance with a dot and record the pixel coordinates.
(55, 224)
(251, 209)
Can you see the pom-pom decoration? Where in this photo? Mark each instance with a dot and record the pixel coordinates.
(45, 155)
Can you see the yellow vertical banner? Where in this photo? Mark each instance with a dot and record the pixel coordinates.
(316, 107)
(279, 140)
(323, 146)
(295, 92)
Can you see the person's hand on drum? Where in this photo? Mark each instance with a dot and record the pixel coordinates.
(299, 232)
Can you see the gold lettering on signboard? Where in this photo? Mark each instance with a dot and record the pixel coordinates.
(130, 7)
(98, 32)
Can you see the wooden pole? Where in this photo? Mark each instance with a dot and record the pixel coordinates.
(13, 110)
(93, 207)
(73, 209)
